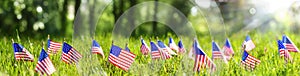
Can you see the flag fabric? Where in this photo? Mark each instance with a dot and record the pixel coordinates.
(53, 47)
(96, 48)
(248, 43)
(249, 62)
(155, 51)
(201, 59)
(283, 52)
(173, 45)
(216, 52)
(289, 45)
(121, 58)
(165, 48)
(144, 48)
(22, 54)
(228, 51)
(44, 65)
(181, 49)
(69, 54)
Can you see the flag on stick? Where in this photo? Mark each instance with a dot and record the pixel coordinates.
(53, 47)
(155, 51)
(172, 45)
(44, 65)
(248, 43)
(201, 59)
(121, 58)
(228, 51)
(165, 48)
(22, 54)
(216, 52)
(70, 55)
(289, 45)
(181, 49)
(144, 48)
(283, 52)
(97, 49)
(249, 62)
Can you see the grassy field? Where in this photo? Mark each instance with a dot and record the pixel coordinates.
(271, 63)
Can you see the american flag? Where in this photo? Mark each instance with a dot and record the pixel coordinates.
(144, 48)
(201, 59)
(70, 55)
(248, 43)
(249, 62)
(165, 48)
(290, 46)
(44, 65)
(121, 58)
(96, 48)
(181, 49)
(155, 51)
(216, 52)
(283, 52)
(21, 53)
(228, 51)
(172, 45)
(53, 46)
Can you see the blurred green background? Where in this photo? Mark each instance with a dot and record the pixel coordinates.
(37, 18)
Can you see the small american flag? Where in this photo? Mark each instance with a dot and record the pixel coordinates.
(165, 48)
(181, 49)
(53, 47)
(21, 53)
(248, 43)
(283, 52)
(228, 51)
(96, 48)
(249, 62)
(216, 52)
(201, 59)
(144, 48)
(165, 51)
(172, 45)
(290, 46)
(70, 55)
(44, 65)
(155, 51)
(121, 58)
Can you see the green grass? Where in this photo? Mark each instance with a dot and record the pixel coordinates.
(271, 64)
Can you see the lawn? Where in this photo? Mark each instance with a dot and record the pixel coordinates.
(271, 63)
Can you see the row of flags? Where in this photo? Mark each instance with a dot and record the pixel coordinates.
(123, 58)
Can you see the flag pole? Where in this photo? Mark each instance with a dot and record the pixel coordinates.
(48, 36)
(126, 45)
(43, 43)
(12, 40)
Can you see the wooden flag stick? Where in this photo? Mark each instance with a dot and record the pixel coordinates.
(43, 44)
(48, 36)
(64, 40)
(12, 40)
